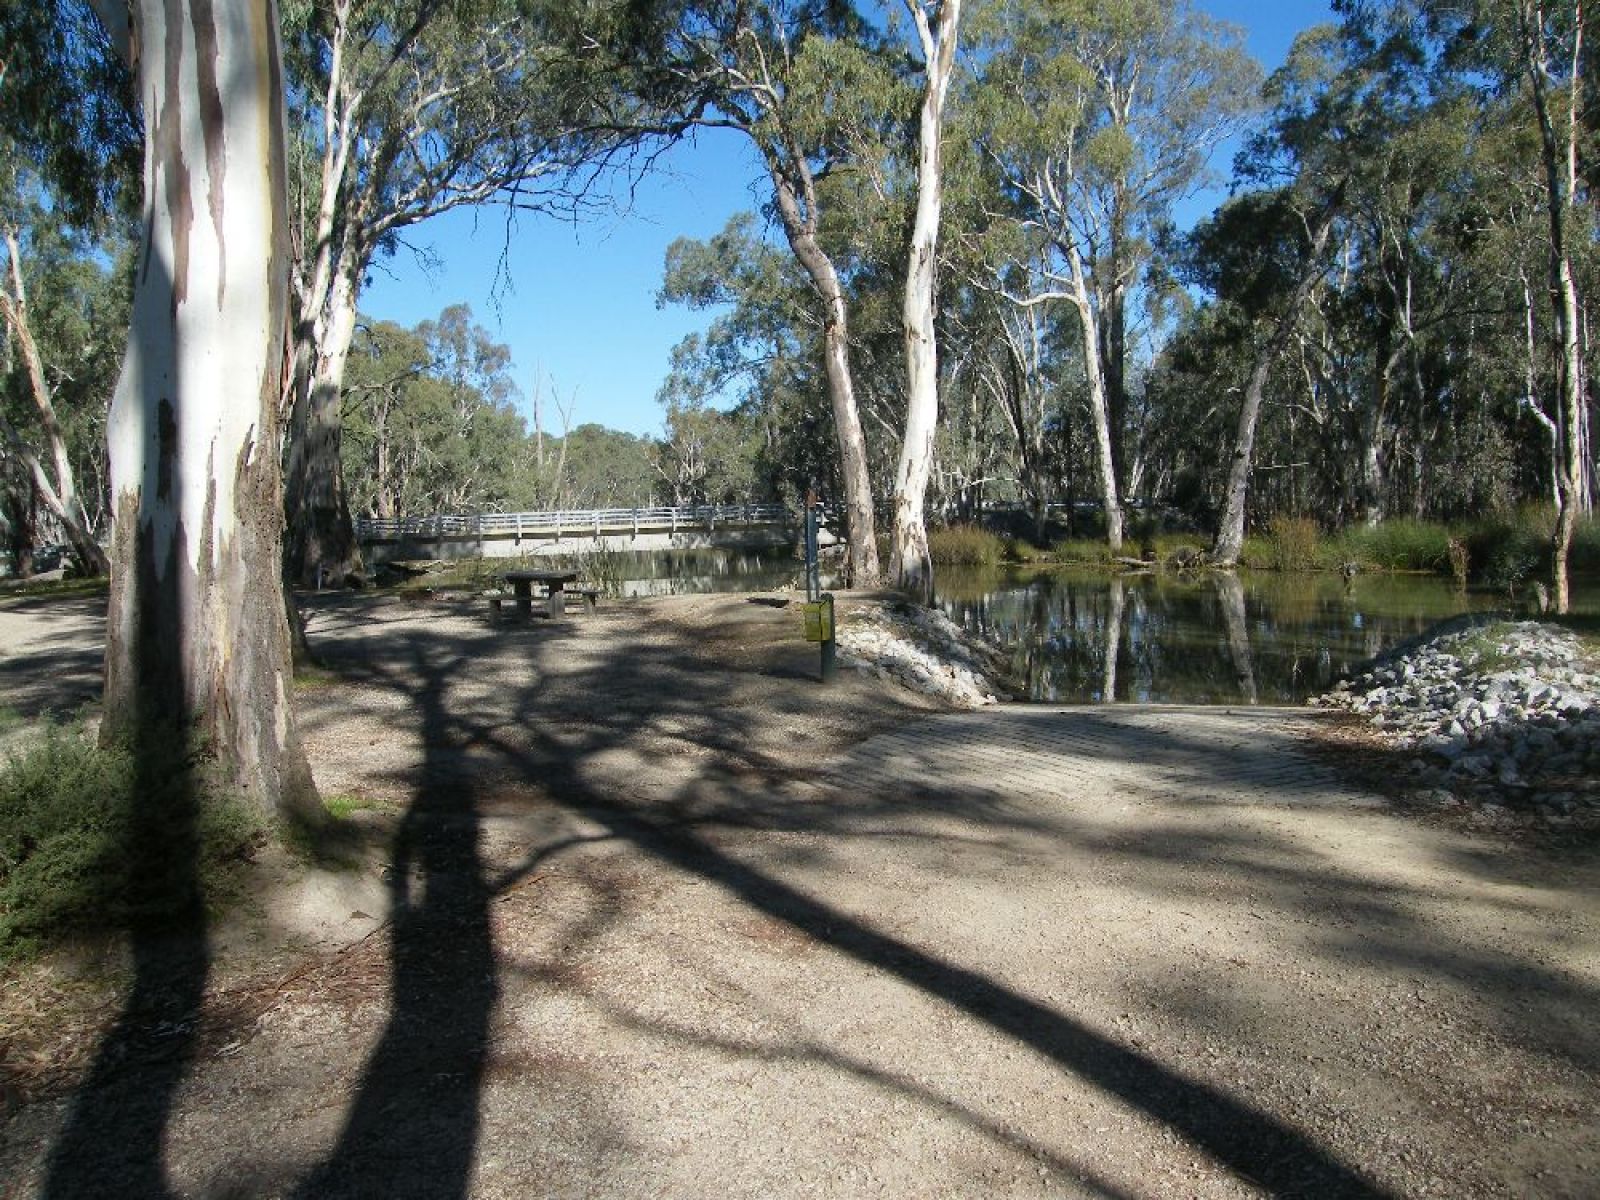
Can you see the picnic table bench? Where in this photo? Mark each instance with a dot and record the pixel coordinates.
(557, 587)
(554, 583)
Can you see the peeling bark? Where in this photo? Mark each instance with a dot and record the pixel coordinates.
(1230, 533)
(910, 563)
(60, 495)
(197, 634)
(800, 227)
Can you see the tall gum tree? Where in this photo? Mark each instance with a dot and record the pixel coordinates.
(197, 634)
(406, 111)
(1535, 49)
(910, 564)
(1102, 117)
(57, 487)
(801, 80)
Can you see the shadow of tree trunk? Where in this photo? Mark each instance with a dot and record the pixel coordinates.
(413, 1126)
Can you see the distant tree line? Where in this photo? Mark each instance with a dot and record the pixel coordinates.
(967, 281)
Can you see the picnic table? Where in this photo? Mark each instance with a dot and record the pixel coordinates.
(554, 582)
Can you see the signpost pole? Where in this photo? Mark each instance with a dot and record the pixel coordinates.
(817, 600)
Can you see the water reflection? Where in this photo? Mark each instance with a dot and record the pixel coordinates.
(1207, 638)
(1083, 635)
(684, 572)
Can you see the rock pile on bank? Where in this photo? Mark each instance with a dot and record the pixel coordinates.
(1501, 715)
(923, 650)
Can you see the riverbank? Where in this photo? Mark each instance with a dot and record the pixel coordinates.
(1501, 716)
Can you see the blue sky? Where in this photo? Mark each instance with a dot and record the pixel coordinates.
(579, 310)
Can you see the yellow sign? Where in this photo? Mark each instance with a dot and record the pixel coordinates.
(819, 621)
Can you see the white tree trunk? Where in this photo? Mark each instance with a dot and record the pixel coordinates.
(861, 537)
(60, 495)
(910, 563)
(1230, 533)
(1569, 465)
(196, 633)
(1099, 410)
(322, 546)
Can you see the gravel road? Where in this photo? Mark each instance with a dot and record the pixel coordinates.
(653, 914)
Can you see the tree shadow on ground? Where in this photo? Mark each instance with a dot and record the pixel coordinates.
(1256, 1145)
(114, 1137)
(57, 672)
(414, 1123)
(412, 1129)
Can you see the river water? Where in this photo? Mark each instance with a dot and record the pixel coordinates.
(1083, 635)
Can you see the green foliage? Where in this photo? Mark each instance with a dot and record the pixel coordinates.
(1400, 544)
(1021, 550)
(342, 808)
(1293, 544)
(1256, 552)
(1511, 548)
(90, 837)
(965, 546)
(1481, 651)
(1586, 545)
(1081, 550)
(68, 106)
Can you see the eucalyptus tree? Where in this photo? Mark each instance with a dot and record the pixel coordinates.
(1101, 117)
(807, 82)
(759, 357)
(1540, 46)
(937, 28)
(432, 422)
(196, 631)
(62, 315)
(406, 109)
(1528, 58)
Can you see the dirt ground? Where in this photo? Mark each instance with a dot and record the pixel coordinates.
(619, 924)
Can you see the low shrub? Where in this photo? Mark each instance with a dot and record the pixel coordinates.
(1460, 561)
(1510, 549)
(1256, 552)
(965, 546)
(1081, 550)
(1293, 544)
(1401, 544)
(90, 836)
(1021, 550)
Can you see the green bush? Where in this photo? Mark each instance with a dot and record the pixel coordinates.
(965, 546)
(1293, 544)
(1021, 550)
(1401, 544)
(1256, 552)
(1081, 550)
(89, 836)
(1509, 549)
(1586, 545)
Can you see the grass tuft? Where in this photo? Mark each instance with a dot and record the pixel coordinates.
(965, 546)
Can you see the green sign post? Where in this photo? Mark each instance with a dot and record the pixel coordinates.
(818, 608)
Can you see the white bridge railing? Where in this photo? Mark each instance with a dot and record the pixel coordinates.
(576, 522)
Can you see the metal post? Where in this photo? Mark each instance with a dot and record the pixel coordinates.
(829, 667)
(813, 579)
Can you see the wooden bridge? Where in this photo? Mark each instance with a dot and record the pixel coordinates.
(568, 531)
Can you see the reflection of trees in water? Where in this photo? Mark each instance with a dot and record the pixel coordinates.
(1231, 592)
(1259, 638)
(1113, 641)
